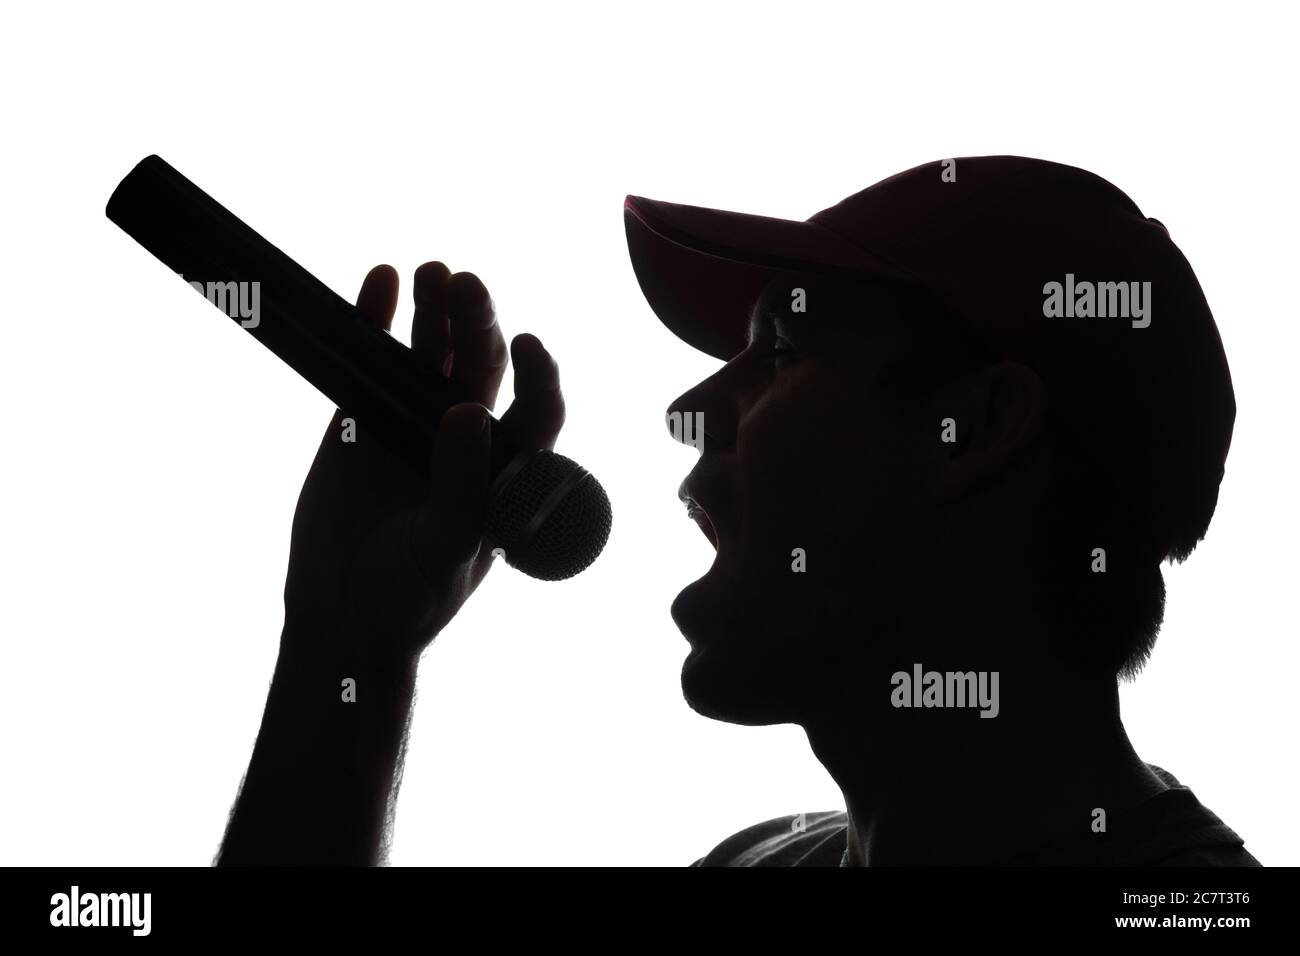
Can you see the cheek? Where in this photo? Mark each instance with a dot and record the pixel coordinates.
(826, 471)
(800, 468)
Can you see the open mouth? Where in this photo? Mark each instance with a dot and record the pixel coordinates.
(701, 518)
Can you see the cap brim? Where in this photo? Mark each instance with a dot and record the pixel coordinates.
(701, 269)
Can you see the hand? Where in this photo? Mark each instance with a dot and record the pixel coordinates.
(381, 558)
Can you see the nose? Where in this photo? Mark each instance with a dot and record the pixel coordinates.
(703, 417)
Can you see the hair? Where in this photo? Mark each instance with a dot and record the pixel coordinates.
(1111, 620)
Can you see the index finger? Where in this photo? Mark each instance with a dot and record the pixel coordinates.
(479, 354)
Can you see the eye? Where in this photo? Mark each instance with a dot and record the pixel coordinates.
(780, 352)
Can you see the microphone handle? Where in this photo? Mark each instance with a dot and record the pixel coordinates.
(362, 369)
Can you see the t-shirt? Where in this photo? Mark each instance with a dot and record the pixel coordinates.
(1171, 828)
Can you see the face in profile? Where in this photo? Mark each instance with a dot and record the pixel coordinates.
(811, 487)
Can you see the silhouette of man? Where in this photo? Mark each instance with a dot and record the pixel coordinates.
(964, 415)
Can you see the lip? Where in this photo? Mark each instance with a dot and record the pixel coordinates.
(703, 501)
(696, 513)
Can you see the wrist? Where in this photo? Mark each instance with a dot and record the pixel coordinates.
(311, 644)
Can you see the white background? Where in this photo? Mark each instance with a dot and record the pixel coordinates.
(153, 453)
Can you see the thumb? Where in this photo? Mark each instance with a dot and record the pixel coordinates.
(449, 527)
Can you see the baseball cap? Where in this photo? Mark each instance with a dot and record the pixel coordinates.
(1055, 267)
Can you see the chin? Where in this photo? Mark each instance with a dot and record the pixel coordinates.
(739, 669)
(721, 682)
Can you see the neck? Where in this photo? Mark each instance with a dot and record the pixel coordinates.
(943, 786)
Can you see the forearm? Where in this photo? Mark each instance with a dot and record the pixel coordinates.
(324, 772)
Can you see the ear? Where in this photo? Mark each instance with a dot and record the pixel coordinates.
(996, 414)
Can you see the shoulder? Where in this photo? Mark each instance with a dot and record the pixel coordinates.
(1170, 828)
(800, 839)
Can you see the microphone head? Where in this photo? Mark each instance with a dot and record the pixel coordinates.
(551, 519)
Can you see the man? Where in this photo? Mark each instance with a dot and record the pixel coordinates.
(964, 415)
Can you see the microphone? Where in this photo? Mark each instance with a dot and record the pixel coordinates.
(547, 513)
